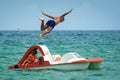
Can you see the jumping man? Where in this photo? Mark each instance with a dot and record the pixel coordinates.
(46, 28)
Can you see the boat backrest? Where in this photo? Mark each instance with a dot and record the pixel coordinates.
(48, 56)
(70, 56)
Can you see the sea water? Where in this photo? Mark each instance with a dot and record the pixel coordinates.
(105, 44)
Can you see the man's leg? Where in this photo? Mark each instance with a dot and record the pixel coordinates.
(42, 27)
(49, 29)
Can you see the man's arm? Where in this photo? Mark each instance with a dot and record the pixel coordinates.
(48, 15)
(66, 13)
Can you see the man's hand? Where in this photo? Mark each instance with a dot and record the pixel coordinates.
(42, 12)
(70, 11)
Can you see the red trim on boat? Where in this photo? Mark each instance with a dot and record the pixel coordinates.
(89, 60)
(95, 60)
(28, 52)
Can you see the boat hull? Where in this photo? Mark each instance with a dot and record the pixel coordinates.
(78, 66)
(94, 65)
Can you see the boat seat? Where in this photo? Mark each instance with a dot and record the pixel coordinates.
(70, 57)
(48, 56)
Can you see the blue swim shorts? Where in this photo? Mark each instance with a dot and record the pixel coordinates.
(51, 23)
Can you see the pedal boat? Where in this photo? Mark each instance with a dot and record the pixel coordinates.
(69, 61)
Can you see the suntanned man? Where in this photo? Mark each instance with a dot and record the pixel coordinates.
(48, 27)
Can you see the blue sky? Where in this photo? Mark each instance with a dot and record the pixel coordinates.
(86, 14)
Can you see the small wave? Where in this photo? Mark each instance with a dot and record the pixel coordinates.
(0, 34)
(79, 34)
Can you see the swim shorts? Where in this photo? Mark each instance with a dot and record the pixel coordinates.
(51, 23)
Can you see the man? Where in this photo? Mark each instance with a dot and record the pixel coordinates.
(48, 27)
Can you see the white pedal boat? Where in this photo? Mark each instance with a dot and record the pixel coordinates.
(69, 61)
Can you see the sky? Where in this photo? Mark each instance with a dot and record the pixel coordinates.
(86, 14)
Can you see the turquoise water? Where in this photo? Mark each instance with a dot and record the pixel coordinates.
(88, 44)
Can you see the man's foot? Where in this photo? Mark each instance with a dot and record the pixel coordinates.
(41, 36)
(41, 19)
